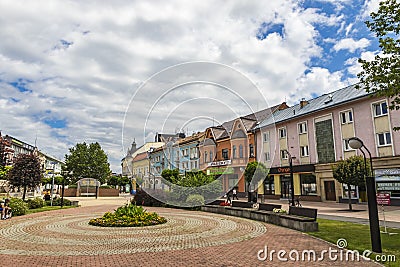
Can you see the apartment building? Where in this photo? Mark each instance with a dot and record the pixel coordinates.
(315, 135)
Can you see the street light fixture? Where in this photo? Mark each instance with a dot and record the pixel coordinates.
(291, 177)
(357, 143)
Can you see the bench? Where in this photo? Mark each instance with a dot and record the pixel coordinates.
(303, 214)
(268, 207)
(242, 204)
(88, 194)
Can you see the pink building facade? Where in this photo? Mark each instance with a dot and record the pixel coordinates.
(315, 134)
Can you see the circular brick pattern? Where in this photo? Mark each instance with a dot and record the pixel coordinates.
(71, 235)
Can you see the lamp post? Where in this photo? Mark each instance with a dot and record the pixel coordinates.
(357, 143)
(52, 184)
(291, 177)
(149, 172)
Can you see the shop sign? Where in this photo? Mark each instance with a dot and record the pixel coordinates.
(218, 171)
(383, 198)
(219, 163)
(283, 170)
(388, 186)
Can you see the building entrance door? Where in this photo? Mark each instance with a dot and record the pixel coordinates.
(285, 187)
(330, 193)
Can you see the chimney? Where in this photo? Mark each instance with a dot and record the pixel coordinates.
(303, 102)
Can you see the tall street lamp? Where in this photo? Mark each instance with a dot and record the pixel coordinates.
(291, 177)
(356, 143)
(149, 172)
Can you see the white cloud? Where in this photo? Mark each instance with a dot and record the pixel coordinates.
(351, 44)
(117, 45)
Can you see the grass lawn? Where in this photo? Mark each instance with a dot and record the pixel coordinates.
(358, 237)
(46, 208)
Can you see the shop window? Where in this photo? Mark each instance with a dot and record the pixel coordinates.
(384, 139)
(380, 109)
(232, 180)
(308, 182)
(346, 117)
(225, 154)
(269, 186)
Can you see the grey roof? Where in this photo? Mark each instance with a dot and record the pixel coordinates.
(322, 102)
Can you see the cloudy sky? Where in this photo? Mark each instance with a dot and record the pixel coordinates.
(86, 71)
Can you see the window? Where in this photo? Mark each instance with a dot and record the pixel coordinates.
(302, 127)
(282, 133)
(284, 154)
(384, 139)
(266, 136)
(251, 150)
(380, 109)
(346, 146)
(211, 156)
(234, 152)
(225, 154)
(346, 117)
(308, 183)
(304, 151)
(240, 151)
(267, 156)
(269, 186)
(205, 157)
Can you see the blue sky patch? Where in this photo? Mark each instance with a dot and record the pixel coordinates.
(55, 123)
(268, 28)
(21, 85)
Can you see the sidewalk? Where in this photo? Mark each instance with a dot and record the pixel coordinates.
(340, 212)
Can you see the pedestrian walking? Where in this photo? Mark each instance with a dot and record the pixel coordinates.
(234, 193)
(228, 197)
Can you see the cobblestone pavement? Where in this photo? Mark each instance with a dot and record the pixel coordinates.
(189, 238)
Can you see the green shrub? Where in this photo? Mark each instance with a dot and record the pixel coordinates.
(35, 203)
(106, 186)
(57, 202)
(72, 186)
(18, 206)
(129, 215)
(195, 200)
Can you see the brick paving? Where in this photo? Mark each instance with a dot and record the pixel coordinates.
(189, 238)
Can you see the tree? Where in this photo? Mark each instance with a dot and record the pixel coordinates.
(87, 161)
(382, 75)
(254, 173)
(172, 176)
(26, 172)
(351, 171)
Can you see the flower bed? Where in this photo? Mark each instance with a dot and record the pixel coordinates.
(223, 203)
(279, 211)
(128, 216)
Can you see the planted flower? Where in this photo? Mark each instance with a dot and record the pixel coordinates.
(128, 216)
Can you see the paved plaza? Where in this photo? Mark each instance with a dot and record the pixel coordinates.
(189, 238)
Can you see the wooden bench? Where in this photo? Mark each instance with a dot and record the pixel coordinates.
(242, 204)
(268, 207)
(303, 214)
